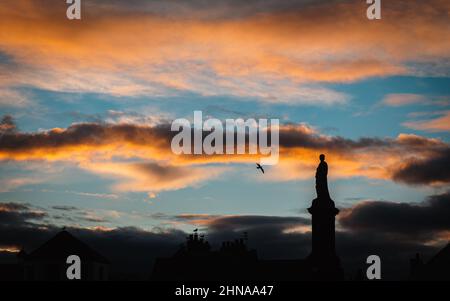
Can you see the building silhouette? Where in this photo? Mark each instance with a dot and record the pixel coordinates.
(195, 260)
(48, 262)
(234, 261)
(437, 268)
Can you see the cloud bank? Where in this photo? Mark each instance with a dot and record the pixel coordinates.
(277, 52)
(140, 157)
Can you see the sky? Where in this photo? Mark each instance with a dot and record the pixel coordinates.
(86, 108)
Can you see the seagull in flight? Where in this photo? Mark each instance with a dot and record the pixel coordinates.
(258, 166)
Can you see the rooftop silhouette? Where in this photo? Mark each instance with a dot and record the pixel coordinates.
(196, 261)
(48, 262)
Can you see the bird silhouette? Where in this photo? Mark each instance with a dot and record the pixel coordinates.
(258, 166)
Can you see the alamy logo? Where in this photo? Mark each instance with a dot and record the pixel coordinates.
(251, 137)
(73, 10)
(374, 270)
(73, 271)
(374, 10)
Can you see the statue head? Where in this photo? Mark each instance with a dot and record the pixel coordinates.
(322, 157)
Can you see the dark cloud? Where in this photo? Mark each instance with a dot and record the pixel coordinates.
(87, 134)
(104, 133)
(294, 136)
(291, 135)
(426, 171)
(13, 206)
(12, 214)
(303, 136)
(249, 222)
(74, 214)
(163, 172)
(423, 221)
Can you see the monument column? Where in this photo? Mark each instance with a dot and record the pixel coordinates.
(323, 214)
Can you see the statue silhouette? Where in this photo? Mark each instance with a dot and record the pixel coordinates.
(323, 211)
(321, 179)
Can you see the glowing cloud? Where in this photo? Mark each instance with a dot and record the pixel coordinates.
(277, 55)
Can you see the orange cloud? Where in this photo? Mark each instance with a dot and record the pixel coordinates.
(275, 56)
(153, 177)
(397, 100)
(140, 157)
(10, 249)
(440, 124)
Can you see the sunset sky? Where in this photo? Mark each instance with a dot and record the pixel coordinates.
(87, 106)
